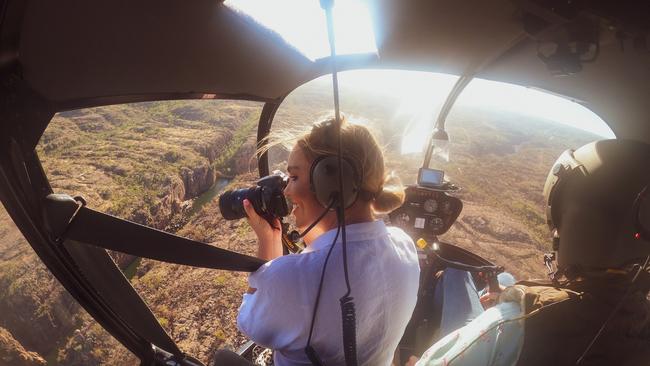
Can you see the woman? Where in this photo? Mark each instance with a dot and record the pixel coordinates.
(382, 261)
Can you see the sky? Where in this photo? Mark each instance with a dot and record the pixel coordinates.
(302, 24)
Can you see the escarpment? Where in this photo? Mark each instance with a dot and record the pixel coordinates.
(12, 353)
(35, 311)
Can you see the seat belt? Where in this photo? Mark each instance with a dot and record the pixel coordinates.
(68, 218)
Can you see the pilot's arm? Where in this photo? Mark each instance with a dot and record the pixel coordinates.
(494, 338)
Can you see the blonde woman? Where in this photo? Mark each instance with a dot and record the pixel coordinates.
(382, 261)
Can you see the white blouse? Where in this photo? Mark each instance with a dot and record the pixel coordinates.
(384, 276)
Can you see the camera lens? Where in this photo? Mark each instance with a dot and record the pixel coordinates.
(266, 198)
(231, 203)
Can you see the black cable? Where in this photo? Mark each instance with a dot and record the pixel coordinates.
(347, 304)
(296, 236)
(348, 312)
(309, 350)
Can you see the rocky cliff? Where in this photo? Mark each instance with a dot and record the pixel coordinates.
(41, 310)
(12, 353)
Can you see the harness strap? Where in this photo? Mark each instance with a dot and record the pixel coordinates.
(109, 232)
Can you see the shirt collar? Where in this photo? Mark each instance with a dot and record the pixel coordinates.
(353, 232)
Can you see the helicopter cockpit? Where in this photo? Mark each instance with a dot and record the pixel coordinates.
(120, 125)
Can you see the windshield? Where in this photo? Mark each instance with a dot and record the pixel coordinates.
(503, 140)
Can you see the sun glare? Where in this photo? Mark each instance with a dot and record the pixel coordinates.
(307, 32)
(532, 102)
(420, 94)
(420, 97)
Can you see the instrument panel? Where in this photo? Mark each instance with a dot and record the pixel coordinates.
(426, 212)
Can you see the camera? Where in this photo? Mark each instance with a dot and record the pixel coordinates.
(267, 198)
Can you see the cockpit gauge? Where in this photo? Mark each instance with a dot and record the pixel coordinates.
(402, 220)
(426, 212)
(437, 223)
(430, 205)
(446, 207)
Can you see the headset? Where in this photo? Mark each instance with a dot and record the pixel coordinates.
(324, 180)
(565, 165)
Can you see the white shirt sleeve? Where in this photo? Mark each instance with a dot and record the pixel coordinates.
(494, 338)
(273, 315)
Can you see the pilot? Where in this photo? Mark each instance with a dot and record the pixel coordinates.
(596, 309)
(278, 310)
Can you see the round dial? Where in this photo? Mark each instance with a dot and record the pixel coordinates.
(430, 205)
(402, 219)
(437, 223)
(446, 207)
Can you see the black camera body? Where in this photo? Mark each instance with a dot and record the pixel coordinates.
(267, 198)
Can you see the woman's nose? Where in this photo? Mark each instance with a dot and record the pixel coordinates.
(287, 190)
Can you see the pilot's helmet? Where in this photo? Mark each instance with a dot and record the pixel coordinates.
(598, 205)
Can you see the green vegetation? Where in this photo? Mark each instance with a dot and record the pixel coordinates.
(221, 279)
(244, 132)
(130, 271)
(164, 322)
(220, 335)
(208, 195)
(52, 358)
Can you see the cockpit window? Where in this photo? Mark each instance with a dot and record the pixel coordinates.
(160, 164)
(308, 33)
(154, 163)
(503, 140)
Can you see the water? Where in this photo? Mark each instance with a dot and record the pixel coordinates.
(209, 195)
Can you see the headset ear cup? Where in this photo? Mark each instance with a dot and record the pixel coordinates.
(324, 180)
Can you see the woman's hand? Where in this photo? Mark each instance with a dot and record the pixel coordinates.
(269, 237)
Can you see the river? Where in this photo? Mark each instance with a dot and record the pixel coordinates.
(209, 195)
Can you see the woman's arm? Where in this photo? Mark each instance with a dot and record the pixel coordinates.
(269, 238)
(274, 314)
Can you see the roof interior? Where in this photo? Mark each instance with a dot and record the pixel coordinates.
(71, 50)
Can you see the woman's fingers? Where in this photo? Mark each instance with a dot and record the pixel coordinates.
(277, 226)
(251, 213)
(268, 235)
(257, 222)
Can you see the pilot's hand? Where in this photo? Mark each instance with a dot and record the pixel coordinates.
(490, 298)
(269, 237)
(412, 361)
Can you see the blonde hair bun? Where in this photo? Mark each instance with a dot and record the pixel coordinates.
(391, 195)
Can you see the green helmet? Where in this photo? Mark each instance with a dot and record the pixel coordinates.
(598, 204)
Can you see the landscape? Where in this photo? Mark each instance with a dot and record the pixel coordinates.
(163, 164)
